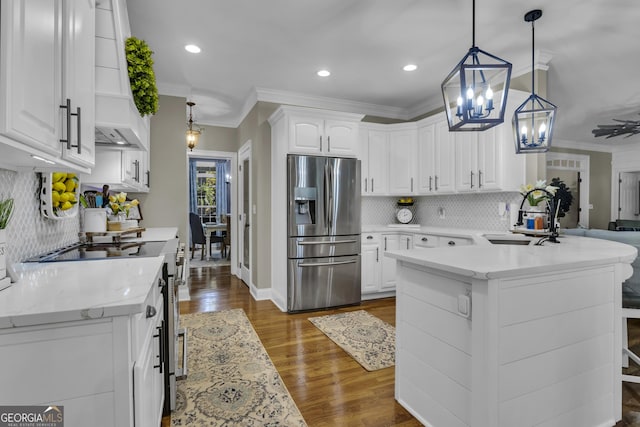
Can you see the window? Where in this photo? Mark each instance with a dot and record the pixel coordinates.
(206, 191)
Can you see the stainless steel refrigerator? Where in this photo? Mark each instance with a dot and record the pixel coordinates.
(323, 225)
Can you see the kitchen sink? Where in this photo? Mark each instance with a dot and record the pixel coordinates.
(507, 239)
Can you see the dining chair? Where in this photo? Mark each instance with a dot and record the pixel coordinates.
(197, 234)
(227, 236)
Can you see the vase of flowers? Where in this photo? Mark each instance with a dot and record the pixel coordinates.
(118, 211)
(6, 210)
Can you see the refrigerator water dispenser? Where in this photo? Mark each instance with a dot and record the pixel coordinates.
(305, 200)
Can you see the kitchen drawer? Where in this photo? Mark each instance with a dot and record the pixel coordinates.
(425, 241)
(454, 241)
(370, 239)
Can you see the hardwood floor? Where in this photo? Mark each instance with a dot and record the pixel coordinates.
(328, 386)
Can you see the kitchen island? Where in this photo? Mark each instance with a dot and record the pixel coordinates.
(511, 335)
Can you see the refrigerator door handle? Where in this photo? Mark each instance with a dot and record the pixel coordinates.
(335, 242)
(325, 264)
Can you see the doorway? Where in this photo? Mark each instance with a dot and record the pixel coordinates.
(245, 208)
(225, 195)
(573, 170)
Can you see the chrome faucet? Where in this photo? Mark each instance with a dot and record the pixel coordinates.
(551, 207)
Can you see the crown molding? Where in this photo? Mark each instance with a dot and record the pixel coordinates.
(582, 145)
(337, 104)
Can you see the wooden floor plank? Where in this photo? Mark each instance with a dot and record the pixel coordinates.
(329, 387)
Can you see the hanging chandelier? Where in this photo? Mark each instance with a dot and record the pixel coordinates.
(533, 120)
(193, 136)
(468, 90)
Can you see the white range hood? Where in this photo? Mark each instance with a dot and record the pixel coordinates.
(118, 123)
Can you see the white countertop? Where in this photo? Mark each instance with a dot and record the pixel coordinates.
(153, 234)
(436, 231)
(488, 261)
(68, 291)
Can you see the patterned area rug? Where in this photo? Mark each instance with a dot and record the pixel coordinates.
(369, 340)
(231, 381)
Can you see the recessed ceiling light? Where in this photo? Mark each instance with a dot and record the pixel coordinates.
(410, 67)
(324, 73)
(192, 48)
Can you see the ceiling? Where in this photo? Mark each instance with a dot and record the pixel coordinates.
(270, 50)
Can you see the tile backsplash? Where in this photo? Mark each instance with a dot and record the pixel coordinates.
(470, 211)
(28, 232)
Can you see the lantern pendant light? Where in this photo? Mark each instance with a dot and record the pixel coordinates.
(533, 120)
(193, 136)
(469, 89)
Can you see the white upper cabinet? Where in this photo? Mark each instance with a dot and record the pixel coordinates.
(388, 159)
(79, 80)
(122, 170)
(317, 133)
(402, 157)
(375, 163)
(486, 161)
(47, 82)
(435, 156)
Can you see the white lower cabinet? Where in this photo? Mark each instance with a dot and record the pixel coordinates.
(378, 271)
(371, 263)
(392, 242)
(105, 372)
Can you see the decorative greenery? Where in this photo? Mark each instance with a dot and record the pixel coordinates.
(141, 76)
(563, 196)
(6, 209)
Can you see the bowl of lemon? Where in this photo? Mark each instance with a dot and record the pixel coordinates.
(59, 195)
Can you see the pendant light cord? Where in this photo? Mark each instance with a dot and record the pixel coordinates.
(533, 53)
(473, 24)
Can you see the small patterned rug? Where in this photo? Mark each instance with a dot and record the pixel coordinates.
(369, 340)
(230, 380)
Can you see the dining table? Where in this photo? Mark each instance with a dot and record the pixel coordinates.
(210, 227)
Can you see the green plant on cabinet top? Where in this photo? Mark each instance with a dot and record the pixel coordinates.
(141, 76)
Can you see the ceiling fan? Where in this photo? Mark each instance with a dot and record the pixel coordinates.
(628, 127)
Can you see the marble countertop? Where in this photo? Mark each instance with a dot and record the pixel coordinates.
(66, 291)
(153, 234)
(488, 261)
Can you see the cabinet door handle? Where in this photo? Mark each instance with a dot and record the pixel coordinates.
(151, 311)
(67, 107)
(365, 185)
(412, 185)
(377, 254)
(320, 142)
(160, 356)
(79, 127)
(471, 179)
(329, 144)
(479, 178)
(451, 243)
(430, 179)
(385, 244)
(148, 178)
(436, 182)
(372, 185)
(424, 239)
(408, 243)
(369, 237)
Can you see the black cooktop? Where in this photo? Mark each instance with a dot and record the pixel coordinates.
(95, 251)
